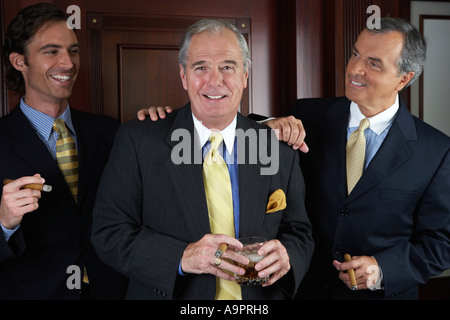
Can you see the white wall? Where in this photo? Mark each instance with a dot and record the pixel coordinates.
(436, 92)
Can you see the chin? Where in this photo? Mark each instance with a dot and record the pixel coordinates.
(355, 97)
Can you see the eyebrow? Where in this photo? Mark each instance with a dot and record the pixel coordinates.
(371, 58)
(234, 63)
(202, 62)
(198, 63)
(57, 46)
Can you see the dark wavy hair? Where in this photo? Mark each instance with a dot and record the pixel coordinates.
(20, 33)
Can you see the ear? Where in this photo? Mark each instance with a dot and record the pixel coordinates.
(404, 79)
(245, 79)
(18, 61)
(183, 77)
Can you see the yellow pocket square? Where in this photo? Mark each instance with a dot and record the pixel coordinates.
(277, 201)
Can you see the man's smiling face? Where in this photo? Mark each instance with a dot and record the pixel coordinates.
(51, 64)
(372, 79)
(214, 77)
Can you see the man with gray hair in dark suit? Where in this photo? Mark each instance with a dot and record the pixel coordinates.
(157, 210)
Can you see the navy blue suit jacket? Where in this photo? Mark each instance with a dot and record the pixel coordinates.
(399, 212)
(34, 262)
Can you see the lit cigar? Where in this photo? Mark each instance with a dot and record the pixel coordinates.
(351, 273)
(221, 250)
(33, 186)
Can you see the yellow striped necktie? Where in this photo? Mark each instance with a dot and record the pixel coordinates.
(220, 208)
(67, 156)
(356, 152)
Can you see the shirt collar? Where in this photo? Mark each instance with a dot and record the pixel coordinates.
(228, 133)
(379, 122)
(42, 122)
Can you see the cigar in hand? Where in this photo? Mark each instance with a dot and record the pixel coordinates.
(351, 273)
(33, 186)
(221, 250)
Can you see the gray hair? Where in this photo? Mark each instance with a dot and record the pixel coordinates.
(215, 27)
(413, 55)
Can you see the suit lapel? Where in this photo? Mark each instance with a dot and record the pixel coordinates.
(392, 153)
(253, 187)
(32, 150)
(187, 178)
(333, 144)
(87, 143)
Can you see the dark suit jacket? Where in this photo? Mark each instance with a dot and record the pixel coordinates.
(399, 212)
(33, 264)
(149, 209)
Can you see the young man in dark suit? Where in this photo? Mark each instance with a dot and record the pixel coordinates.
(155, 223)
(45, 245)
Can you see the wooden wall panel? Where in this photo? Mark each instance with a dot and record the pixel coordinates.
(300, 48)
(92, 91)
(310, 48)
(137, 85)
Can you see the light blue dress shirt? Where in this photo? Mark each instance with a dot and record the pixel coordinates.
(380, 125)
(43, 124)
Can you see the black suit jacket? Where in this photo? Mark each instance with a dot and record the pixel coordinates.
(34, 262)
(149, 209)
(399, 212)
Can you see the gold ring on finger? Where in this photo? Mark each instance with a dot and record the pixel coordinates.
(217, 261)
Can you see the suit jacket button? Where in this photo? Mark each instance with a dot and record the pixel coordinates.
(344, 212)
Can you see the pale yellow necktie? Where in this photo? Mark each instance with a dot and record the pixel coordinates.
(220, 208)
(356, 151)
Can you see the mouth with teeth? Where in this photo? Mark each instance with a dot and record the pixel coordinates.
(63, 79)
(214, 97)
(357, 84)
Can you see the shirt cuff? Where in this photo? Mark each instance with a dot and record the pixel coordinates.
(180, 272)
(265, 120)
(8, 232)
(379, 284)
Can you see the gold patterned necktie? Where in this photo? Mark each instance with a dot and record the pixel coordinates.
(67, 156)
(356, 151)
(220, 208)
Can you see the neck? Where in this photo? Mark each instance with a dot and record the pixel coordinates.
(215, 124)
(54, 109)
(371, 111)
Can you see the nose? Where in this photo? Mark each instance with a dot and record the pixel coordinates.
(215, 78)
(356, 67)
(67, 60)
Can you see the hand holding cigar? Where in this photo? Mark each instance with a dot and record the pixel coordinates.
(351, 273)
(33, 186)
(15, 203)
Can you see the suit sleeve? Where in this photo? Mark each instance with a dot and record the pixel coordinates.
(295, 231)
(12, 248)
(119, 235)
(428, 251)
